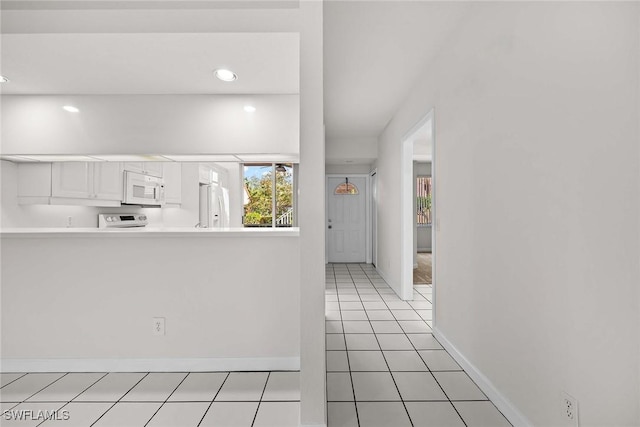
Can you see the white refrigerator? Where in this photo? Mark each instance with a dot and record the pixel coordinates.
(214, 206)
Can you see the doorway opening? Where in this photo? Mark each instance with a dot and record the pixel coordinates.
(418, 207)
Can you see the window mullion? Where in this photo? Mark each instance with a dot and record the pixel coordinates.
(273, 195)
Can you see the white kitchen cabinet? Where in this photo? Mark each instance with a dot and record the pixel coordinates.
(208, 174)
(70, 183)
(149, 168)
(72, 180)
(153, 168)
(107, 180)
(87, 180)
(172, 174)
(34, 183)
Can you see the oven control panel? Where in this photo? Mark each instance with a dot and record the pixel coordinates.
(122, 220)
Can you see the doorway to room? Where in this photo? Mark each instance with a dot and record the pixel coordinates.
(422, 235)
(418, 208)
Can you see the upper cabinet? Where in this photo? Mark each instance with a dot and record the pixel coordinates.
(34, 183)
(149, 168)
(172, 174)
(90, 183)
(84, 180)
(107, 180)
(72, 180)
(70, 183)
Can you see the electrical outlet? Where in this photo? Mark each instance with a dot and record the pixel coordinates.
(569, 409)
(158, 326)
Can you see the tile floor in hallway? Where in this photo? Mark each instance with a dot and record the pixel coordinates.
(384, 367)
(171, 399)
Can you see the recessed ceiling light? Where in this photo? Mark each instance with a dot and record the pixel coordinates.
(249, 108)
(225, 75)
(71, 109)
(3, 79)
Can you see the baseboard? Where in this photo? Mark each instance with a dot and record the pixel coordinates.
(391, 284)
(384, 276)
(424, 250)
(151, 365)
(508, 409)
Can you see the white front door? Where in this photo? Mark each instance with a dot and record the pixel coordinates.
(347, 220)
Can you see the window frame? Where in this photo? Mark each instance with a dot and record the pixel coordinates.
(274, 198)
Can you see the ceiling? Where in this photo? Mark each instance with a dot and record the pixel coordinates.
(48, 64)
(374, 52)
(148, 4)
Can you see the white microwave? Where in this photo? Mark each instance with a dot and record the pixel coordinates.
(143, 190)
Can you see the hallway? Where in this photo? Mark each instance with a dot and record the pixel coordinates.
(384, 367)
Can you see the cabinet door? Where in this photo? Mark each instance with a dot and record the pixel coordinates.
(172, 174)
(134, 167)
(107, 180)
(153, 168)
(72, 180)
(34, 179)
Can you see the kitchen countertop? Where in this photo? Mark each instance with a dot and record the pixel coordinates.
(149, 232)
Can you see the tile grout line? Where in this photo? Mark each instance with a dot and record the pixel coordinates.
(427, 366)
(458, 370)
(260, 401)
(385, 358)
(48, 385)
(344, 337)
(29, 397)
(430, 371)
(214, 399)
(165, 401)
(87, 388)
(14, 380)
(120, 398)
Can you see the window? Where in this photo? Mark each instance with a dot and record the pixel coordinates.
(261, 182)
(346, 188)
(423, 200)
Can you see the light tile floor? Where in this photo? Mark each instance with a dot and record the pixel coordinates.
(384, 367)
(170, 399)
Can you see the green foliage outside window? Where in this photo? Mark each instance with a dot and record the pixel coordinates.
(258, 210)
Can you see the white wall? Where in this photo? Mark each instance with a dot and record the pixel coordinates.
(537, 141)
(150, 124)
(307, 19)
(347, 169)
(87, 300)
(311, 214)
(423, 240)
(356, 148)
